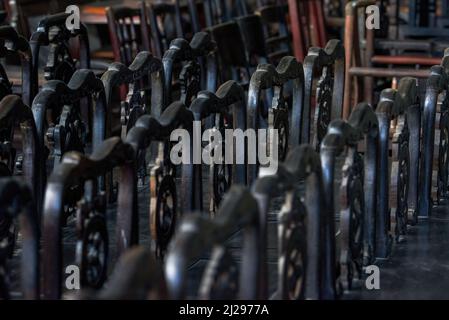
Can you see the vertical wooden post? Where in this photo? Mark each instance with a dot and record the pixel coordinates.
(296, 29)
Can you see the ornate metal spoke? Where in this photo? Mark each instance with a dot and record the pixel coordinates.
(163, 208)
(222, 180)
(402, 185)
(92, 246)
(352, 221)
(292, 259)
(220, 279)
(280, 123)
(443, 155)
(7, 236)
(293, 265)
(69, 134)
(323, 109)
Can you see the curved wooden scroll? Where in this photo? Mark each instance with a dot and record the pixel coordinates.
(437, 84)
(118, 74)
(266, 77)
(61, 64)
(227, 105)
(357, 207)
(327, 67)
(16, 202)
(197, 234)
(14, 112)
(63, 100)
(76, 169)
(162, 181)
(13, 43)
(194, 56)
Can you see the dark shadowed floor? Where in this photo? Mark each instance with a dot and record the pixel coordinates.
(419, 267)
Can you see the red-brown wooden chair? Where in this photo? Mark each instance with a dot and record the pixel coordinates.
(307, 26)
(363, 65)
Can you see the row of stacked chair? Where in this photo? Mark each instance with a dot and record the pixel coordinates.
(361, 176)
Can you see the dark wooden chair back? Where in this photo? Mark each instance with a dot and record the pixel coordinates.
(167, 15)
(189, 68)
(213, 12)
(253, 37)
(277, 34)
(68, 50)
(128, 35)
(62, 118)
(242, 280)
(21, 12)
(143, 81)
(233, 62)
